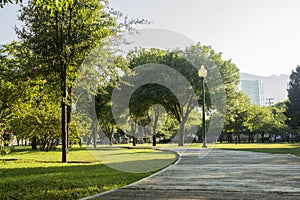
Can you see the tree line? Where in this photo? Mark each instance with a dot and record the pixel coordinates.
(39, 74)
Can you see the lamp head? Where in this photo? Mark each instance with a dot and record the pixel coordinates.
(202, 72)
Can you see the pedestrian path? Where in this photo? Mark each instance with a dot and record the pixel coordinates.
(218, 174)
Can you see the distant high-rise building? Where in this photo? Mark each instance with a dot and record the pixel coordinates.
(254, 89)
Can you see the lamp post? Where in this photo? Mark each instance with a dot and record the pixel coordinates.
(202, 74)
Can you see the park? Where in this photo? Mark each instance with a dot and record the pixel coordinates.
(81, 118)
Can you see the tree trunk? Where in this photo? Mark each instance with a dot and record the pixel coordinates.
(229, 137)
(33, 143)
(154, 140)
(235, 138)
(154, 131)
(181, 134)
(110, 139)
(133, 129)
(63, 85)
(69, 111)
(94, 135)
(64, 114)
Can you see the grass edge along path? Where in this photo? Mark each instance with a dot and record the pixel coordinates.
(27, 174)
(274, 148)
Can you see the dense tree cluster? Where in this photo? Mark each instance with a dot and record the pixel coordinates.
(54, 42)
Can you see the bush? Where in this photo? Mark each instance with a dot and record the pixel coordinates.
(5, 150)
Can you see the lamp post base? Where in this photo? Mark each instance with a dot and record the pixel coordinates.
(204, 144)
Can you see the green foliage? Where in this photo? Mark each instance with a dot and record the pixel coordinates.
(170, 127)
(41, 122)
(186, 63)
(293, 103)
(60, 35)
(15, 98)
(236, 111)
(103, 106)
(80, 126)
(47, 4)
(64, 38)
(279, 123)
(5, 150)
(54, 5)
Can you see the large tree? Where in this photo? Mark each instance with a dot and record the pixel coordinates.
(60, 39)
(148, 103)
(293, 103)
(186, 64)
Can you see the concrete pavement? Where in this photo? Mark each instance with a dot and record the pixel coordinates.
(218, 174)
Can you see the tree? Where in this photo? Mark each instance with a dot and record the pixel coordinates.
(259, 121)
(60, 39)
(186, 63)
(237, 105)
(148, 102)
(279, 125)
(40, 123)
(293, 104)
(156, 115)
(15, 97)
(104, 113)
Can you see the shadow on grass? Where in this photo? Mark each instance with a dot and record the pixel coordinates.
(68, 181)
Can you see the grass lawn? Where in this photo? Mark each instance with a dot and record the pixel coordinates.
(283, 148)
(27, 174)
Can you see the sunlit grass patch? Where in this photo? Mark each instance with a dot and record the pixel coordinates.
(27, 174)
(134, 160)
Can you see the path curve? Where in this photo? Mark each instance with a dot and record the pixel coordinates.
(220, 174)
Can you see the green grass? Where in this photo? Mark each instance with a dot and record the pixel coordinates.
(27, 174)
(283, 148)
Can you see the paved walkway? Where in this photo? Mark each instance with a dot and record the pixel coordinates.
(219, 174)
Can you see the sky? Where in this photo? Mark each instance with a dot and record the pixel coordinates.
(261, 37)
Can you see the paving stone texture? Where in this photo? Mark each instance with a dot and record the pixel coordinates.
(218, 174)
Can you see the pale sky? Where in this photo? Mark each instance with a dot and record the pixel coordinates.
(261, 37)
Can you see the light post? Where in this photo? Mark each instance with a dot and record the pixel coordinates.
(202, 74)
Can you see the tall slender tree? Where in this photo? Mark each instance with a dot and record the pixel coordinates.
(60, 39)
(293, 103)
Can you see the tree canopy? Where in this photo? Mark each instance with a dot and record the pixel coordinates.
(186, 63)
(293, 103)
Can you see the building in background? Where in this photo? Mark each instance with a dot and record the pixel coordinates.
(274, 87)
(255, 90)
